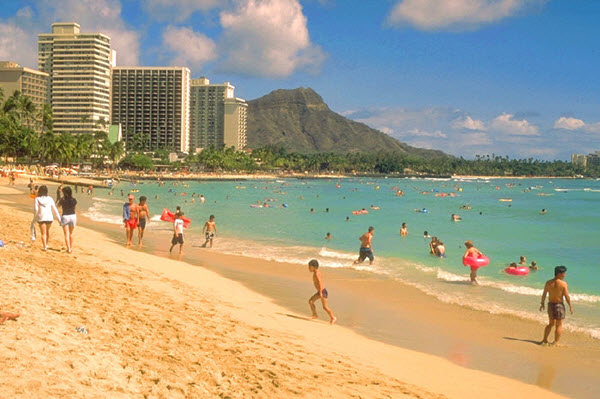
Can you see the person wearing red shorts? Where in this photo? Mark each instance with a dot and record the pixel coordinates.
(130, 218)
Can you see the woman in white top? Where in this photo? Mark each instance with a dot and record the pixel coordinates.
(45, 209)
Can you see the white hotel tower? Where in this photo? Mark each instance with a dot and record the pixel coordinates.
(79, 65)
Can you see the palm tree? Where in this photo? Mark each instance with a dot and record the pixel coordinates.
(116, 151)
(45, 118)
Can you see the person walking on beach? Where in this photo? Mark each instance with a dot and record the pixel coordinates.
(130, 218)
(177, 232)
(143, 215)
(366, 250)
(313, 267)
(69, 218)
(474, 252)
(556, 289)
(45, 209)
(209, 230)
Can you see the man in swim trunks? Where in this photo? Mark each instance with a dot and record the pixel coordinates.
(143, 214)
(366, 251)
(209, 230)
(556, 289)
(130, 218)
(177, 232)
(313, 267)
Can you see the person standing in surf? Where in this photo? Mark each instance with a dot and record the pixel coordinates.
(556, 289)
(473, 252)
(366, 250)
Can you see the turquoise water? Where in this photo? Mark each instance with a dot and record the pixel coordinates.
(567, 234)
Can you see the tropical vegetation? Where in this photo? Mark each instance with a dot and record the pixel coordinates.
(27, 134)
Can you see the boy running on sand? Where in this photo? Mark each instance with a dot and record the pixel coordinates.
(556, 290)
(209, 230)
(313, 267)
(8, 316)
(177, 232)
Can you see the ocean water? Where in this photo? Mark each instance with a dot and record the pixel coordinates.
(287, 231)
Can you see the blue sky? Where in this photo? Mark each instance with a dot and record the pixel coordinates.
(511, 77)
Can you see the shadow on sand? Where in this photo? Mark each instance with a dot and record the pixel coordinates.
(529, 341)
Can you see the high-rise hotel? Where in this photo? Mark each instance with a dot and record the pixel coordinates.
(217, 117)
(79, 65)
(153, 102)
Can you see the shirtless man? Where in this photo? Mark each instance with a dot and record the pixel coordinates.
(130, 218)
(143, 214)
(209, 230)
(366, 251)
(556, 290)
(313, 267)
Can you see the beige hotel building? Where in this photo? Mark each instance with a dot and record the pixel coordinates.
(217, 117)
(79, 65)
(153, 102)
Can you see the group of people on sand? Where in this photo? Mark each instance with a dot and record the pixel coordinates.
(45, 209)
(135, 216)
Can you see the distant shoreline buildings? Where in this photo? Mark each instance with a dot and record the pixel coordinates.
(88, 93)
(586, 161)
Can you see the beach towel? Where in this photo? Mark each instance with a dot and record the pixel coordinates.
(126, 211)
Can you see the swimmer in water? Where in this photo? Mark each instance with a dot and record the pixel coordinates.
(403, 229)
(543, 211)
(533, 266)
(328, 236)
(522, 260)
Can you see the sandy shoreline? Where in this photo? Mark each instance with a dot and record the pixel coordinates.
(148, 319)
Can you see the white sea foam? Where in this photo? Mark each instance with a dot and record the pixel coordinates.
(98, 216)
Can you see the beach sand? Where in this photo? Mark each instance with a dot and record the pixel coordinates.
(159, 327)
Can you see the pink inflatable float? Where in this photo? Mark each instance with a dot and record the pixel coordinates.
(517, 271)
(473, 261)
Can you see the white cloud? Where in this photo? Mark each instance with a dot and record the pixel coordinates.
(178, 10)
(424, 133)
(454, 14)
(569, 123)
(468, 123)
(102, 16)
(17, 45)
(189, 48)
(506, 124)
(267, 38)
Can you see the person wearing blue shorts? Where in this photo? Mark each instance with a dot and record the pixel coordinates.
(322, 294)
(366, 250)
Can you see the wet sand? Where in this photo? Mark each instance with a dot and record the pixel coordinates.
(376, 308)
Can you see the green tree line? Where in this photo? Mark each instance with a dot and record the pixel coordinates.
(26, 133)
(272, 158)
